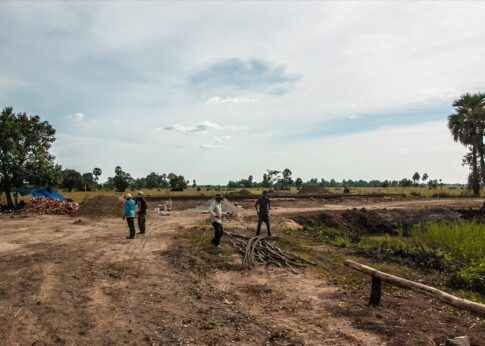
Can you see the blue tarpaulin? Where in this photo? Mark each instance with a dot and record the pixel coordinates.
(40, 192)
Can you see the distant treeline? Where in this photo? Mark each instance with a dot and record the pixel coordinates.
(70, 179)
(283, 180)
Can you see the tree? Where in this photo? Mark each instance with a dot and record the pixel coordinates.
(121, 180)
(416, 177)
(243, 183)
(163, 180)
(286, 180)
(266, 181)
(139, 183)
(25, 142)
(424, 177)
(272, 176)
(405, 182)
(118, 170)
(467, 126)
(152, 181)
(298, 183)
(97, 173)
(88, 181)
(433, 184)
(177, 182)
(71, 179)
(194, 183)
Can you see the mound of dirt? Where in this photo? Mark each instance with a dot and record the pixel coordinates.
(379, 221)
(313, 190)
(287, 224)
(104, 205)
(242, 192)
(245, 192)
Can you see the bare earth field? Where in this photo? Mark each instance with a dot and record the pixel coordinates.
(78, 281)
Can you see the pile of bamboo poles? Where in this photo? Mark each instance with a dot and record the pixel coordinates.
(259, 249)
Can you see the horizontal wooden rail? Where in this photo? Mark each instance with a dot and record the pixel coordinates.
(378, 276)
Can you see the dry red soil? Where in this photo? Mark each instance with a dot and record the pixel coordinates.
(78, 281)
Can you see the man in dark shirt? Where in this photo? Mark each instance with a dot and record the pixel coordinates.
(263, 205)
(142, 212)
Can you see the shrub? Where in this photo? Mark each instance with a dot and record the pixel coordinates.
(332, 235)
(340, 242)
(472, 277)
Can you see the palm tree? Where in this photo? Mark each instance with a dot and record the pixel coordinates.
(424, 177)
(416, 177)
(97, 172)
(467, 126)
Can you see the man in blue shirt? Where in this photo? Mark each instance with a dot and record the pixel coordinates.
(129, 215)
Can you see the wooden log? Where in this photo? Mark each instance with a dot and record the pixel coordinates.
(414, 286)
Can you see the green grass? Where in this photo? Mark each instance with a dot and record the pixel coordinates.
(464, 241)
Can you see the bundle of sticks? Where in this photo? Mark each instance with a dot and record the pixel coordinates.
(259, 249)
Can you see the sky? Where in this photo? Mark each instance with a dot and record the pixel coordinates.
(218, 91)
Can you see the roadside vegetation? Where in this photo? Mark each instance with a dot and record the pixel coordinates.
(457, 251)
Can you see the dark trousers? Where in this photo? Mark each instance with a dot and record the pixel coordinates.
(131, 226)
(218, 232)
(142, 222)
(263, 218)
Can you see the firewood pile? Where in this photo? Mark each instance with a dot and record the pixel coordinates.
(259, 249)
(50, 206)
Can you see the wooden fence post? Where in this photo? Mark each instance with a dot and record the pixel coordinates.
(375, 293)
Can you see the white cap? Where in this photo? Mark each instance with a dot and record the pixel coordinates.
(128, 195)
(140, 193)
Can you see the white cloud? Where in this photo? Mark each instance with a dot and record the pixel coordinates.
(209, 146)
(203, 127)
(76, 116)
(222, 139)
(237, 100)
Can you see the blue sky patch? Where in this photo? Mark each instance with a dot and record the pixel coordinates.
(372, 121)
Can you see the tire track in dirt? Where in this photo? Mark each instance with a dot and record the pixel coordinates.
(292, 304)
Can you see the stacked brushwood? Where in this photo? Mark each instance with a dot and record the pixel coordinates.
(260, 249)
(50, 206)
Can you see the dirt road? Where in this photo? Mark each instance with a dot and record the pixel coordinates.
(66, 281)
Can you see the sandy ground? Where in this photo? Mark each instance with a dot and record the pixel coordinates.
(70, 281)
